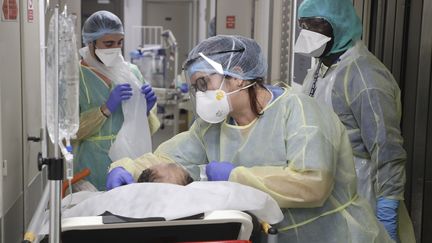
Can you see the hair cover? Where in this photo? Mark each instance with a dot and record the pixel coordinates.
(99, 24)
(239, 56)
(341, 15)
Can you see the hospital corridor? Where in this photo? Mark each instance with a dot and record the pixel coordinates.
(217, 121)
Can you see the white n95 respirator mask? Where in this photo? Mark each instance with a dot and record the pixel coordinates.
(212, 106)
(110, 56)
(310, 43)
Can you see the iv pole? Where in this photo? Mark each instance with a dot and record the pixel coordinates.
(55, 169)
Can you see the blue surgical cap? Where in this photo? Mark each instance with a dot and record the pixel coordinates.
(99, 24)
(341, 15)
(239, 56)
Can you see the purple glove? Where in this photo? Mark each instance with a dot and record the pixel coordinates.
(219, 171)
(118, 94)
(118, 177)
(184, 88)
(150, 95)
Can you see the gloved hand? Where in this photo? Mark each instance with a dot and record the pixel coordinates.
(387, 214)
(118, 177)
(219, 171)
(118, 94)
(150, 95)
(184, 88)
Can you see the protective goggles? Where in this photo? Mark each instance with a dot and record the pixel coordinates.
(313, 23)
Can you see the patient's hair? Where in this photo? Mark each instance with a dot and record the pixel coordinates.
(149, 175)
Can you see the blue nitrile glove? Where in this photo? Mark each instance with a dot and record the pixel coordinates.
(150, 95)
(219, 171)
(184, 88)
(118, 177)
(387, 214)
(118, 94)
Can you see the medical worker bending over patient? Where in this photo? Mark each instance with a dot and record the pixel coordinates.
(100, 100)
(363, 93)
(268, 138)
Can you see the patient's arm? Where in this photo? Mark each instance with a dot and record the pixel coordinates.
(166, 173)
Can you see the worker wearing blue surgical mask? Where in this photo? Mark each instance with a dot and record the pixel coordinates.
(363, 93)
(269, 138)
(100, 99)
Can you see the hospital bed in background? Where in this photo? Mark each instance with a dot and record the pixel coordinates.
(156, 56)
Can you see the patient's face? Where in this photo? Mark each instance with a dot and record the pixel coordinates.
(166, 173)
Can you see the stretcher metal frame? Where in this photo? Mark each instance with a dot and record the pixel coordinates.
(98, 227)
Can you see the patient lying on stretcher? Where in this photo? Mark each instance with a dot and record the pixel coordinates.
(170, 200)
(161, 173)
(166, 173)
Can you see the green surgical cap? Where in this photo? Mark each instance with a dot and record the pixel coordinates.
(341, 15)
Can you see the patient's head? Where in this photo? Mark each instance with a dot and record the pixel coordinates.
(166, 173)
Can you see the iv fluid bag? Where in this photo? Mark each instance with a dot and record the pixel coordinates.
(68, 79)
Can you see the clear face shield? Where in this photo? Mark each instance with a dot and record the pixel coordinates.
(204, 64)
(206, 79)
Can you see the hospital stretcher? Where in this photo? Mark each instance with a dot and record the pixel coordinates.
(219, 226)
(227, 226)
